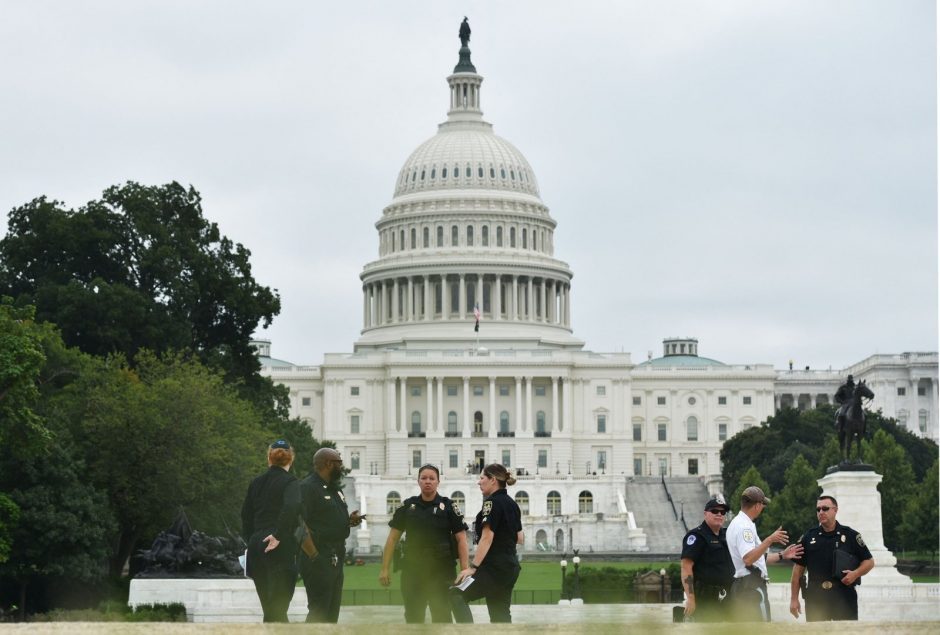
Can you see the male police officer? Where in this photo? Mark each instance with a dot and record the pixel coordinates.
(328, 522)
(837, 558)
(707, 570)
(749, 589)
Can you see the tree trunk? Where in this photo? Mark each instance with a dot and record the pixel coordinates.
(125, 547)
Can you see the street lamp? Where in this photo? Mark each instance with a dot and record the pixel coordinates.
(577, 578)
(662, 575)
(564, 566)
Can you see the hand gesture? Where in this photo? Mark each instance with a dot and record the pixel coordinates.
(355, 519)
(384, 578)
(793, 551)
(795, 607)
(780, 536)
(690, 605)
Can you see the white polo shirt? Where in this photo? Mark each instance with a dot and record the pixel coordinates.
(742, 538)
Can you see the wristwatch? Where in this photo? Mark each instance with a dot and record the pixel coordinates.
(472, 566)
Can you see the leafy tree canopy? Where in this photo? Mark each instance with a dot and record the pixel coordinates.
(793, 508)
(140, 268)
(919, 522)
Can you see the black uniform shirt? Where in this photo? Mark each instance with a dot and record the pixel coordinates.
(271, 505)
(325, 512)
(819, 548)
(429, 527)
(710, 556)
(502, 515)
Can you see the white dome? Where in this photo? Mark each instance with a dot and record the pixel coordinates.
(466, 155)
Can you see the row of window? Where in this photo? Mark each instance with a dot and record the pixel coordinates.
(661, 400)
(921, 391)
(528, 238)
(424, 173)
(552, 502)
(692, 467)
(691, 431)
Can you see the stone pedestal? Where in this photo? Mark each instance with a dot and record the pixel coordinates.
(860, 508)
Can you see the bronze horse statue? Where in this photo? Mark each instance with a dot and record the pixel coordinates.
(851, 421)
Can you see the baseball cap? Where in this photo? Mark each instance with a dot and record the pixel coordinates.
(754, 494)
(717, 502)
(280, 444)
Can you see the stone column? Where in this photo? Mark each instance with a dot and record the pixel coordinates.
(440, 404)
(514, 301)
(479, 292)
(493, 420)
(428, 299)
(410, 302)
(497, 300)
(392, 423)
(395, 307)
(913, 421)
(403, 406)
(520, 424)
(466, 407)
(555, 381)
(530, 300)
(445, 298)
(462, 300)
(568, 305)
(529, 419)
(365, 306)
(430, 425)
(542, 296)
(567, 411)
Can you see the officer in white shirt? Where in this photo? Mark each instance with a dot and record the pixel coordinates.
(749, 589)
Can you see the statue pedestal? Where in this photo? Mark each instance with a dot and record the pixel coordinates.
(860, 508)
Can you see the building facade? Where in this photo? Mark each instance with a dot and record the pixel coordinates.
(467, 357)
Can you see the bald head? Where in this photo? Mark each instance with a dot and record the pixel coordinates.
(323, 458)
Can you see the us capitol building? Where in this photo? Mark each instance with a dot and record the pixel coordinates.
(609, 453)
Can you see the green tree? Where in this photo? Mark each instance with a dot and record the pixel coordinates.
(918, 530)
(64, 526)
(891, 461)
(831, 455)
(793, 508)
(141, 268)
(752, 476)
(21, 363)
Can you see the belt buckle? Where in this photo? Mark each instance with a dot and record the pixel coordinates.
(827, 585)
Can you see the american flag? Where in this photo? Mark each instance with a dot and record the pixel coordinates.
(476, 314)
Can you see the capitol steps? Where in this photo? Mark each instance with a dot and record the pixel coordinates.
(646, 498)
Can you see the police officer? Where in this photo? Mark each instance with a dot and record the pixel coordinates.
(836, 558)
(494, 568)
(436, 535)
(327, 522)
(269, 518)
(707, 570)
(748, 554)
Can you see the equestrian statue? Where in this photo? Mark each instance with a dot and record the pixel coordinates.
(850, 419)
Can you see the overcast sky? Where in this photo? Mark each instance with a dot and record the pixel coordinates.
(759, 175)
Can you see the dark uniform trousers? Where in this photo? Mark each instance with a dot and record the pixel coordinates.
(749, 601)
(839, 602)
(427, 587)
(826, 597)
(708, 604)
(323, 582)
(494, 584)
(274, 579)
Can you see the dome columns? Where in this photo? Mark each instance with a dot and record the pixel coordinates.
(426, 298)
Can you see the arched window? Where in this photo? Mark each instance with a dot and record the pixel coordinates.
(553, 501)
(691, 425)
(504, 422)
(459, 500)
(478, 424)
(414, 238)
(585, 503)
(522, 500)
(416, 422)
(524, 243)
(426, 232)
(433, 172)
(444, 172)
(401, 242)
(393, 240)
(452, 423)
(512, 236)
(454, 235)
(392, 502)
(480, 171)
(469, 235)
(468, 171)
(492, 172)
(440, 235)
(354, 460)
(485, 236)
(499, 236)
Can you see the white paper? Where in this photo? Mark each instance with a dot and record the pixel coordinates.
(465, 583)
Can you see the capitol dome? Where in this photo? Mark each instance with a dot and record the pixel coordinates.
(466, 240)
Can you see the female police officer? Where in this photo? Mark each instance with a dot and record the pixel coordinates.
(494, 568)
(436, 534)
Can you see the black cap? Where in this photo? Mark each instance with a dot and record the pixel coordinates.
(718, 502)
(280, 444)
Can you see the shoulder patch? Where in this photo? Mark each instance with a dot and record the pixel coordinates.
(748, 536)
(690, 540)
(858, 538)
(457, 510)
(487, 507)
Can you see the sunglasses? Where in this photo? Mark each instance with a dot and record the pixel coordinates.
(718, 512)
(822, 509)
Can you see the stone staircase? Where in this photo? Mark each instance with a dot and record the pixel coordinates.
(646, 498)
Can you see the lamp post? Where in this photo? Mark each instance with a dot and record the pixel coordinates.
(564, 566)
(576, 599)
(662, 575)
